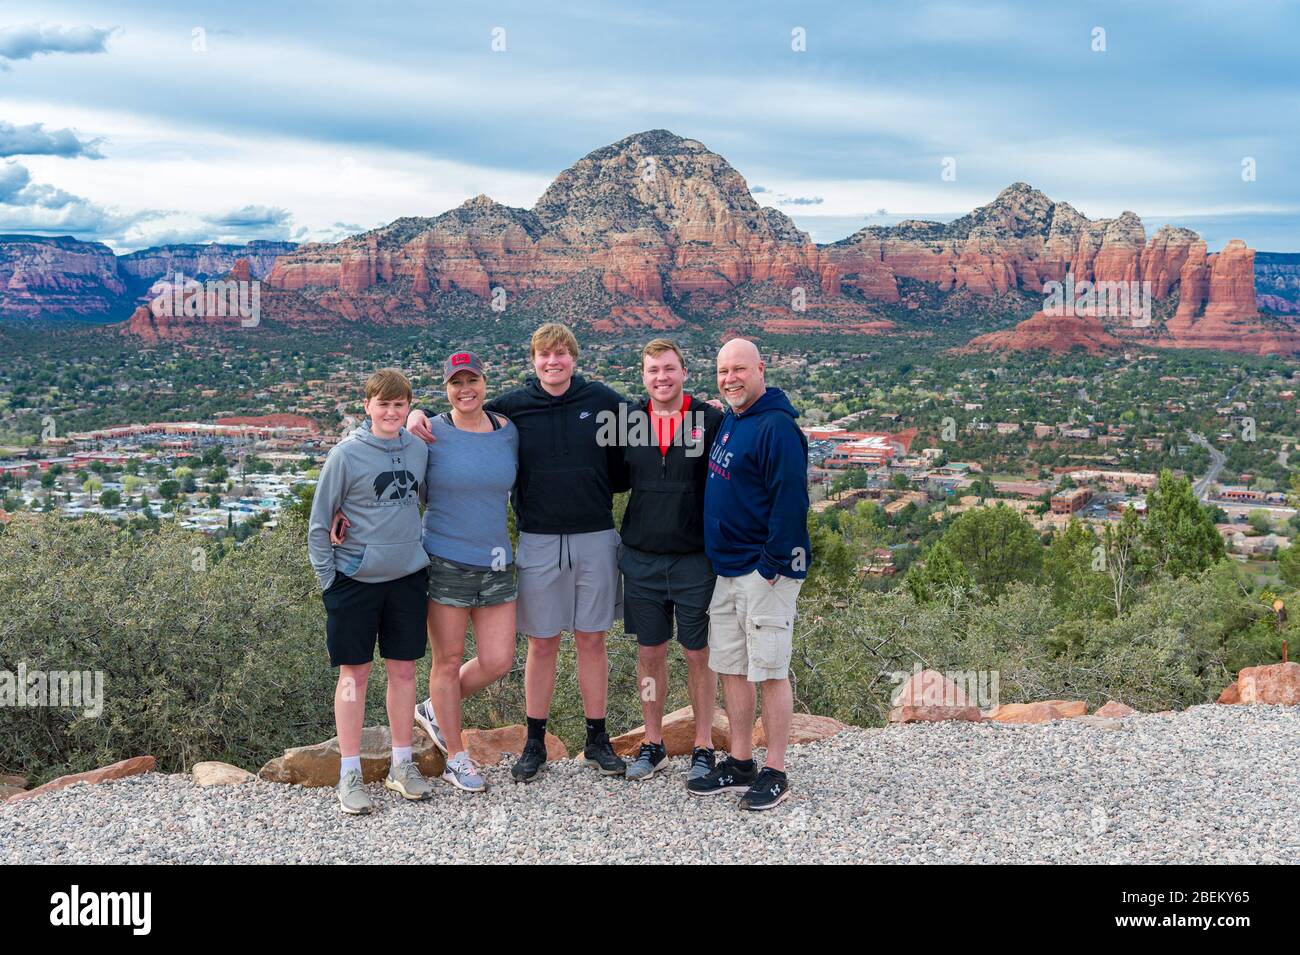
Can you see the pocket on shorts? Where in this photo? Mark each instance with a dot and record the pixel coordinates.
(769, 641)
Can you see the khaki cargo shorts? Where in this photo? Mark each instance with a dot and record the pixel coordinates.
(751, 626)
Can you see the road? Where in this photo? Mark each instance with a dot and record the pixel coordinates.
(1217, 459)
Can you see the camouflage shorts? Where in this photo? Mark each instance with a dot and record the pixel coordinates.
(460, 585)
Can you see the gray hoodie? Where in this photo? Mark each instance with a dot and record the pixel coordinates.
(377, 483)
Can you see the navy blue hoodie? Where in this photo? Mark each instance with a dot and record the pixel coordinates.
(756, 498)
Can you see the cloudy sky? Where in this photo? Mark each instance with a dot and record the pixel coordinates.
(141, 123)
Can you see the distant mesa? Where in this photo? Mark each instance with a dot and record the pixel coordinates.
(656, 232)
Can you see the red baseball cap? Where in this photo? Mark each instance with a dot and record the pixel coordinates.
(461, 361)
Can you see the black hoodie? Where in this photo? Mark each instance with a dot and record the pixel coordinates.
(567, 480)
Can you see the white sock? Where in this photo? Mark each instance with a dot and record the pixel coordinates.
(349, 763)
(401, 754)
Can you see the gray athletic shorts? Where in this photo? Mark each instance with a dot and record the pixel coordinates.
(568, 582)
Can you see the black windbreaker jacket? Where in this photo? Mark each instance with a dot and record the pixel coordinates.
(665, 512)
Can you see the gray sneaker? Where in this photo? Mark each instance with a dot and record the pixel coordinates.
(463, 774)
(703, 762)
(652, 758)
(353, 798)
(429, 723)
(405, 779)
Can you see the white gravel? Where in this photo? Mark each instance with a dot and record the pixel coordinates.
(1211, 784)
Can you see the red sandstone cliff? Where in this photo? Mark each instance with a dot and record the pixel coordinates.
(656, 231)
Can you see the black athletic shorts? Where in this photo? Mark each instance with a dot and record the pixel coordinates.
(659, 587)
(356, 614)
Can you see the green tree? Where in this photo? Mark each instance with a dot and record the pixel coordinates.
(110, 498)
(942, 573)
(1288, 565)
(1074, 567)
(1179, 532)
(996, 546)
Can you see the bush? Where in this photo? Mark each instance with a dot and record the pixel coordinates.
(203, 656)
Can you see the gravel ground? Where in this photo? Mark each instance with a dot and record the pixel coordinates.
(1212, 784)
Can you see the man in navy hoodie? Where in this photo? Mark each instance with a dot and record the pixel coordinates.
(756, 538)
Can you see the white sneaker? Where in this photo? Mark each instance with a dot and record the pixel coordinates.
(429, 723)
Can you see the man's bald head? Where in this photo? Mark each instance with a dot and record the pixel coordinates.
(741, 374)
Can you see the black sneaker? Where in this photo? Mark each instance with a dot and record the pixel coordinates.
(770, 789)
(727, 777)
(600, 754)
(530, 761)
(703, 762)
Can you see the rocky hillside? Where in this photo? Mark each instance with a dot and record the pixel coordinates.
(1277, 281)
(658, 232)
(63, 277)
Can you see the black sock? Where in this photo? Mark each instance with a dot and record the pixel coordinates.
(745, 764)
(594, 728)
(537, 729)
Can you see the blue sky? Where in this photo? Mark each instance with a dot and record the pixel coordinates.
(139, 123)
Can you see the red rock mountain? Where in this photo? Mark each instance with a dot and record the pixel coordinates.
(1054, 333)
(44, 277)
(656, 231)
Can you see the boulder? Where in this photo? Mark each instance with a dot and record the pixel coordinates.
(928, 696)
(1115, 710)
(220, 774)
(679, 733)
(804, 728)
(17, 782)
(486, 747)
(127, 767)
(318, 765)
(1231, 694)
(7, 791)
(1276, 683)
(1024, 713)
(274, 771)
(1069, 708)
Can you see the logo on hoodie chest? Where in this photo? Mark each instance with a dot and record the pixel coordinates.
(720, 459)
(395, 485)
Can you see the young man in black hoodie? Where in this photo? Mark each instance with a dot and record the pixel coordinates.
(666, 573)
(567, 556)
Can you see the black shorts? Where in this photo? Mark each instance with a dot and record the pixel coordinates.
(356, 614)
(658, 587)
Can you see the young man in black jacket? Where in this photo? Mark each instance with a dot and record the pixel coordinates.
(666, 574)
(567, 557)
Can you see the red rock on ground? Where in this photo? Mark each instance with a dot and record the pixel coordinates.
(1276, 683)
(679, 733)
(1023, 713)
(1116, 710)
(318, 764)
(486, 747)
(804, 728)
(928, 697)
(127, 767)
(1231, 694)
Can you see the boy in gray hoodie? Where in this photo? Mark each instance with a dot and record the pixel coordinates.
(373, 584)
